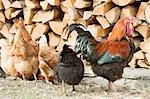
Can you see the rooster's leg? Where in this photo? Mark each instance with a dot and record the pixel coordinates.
(73, 88)
(112, 86)
(64, 89)
(34, 74)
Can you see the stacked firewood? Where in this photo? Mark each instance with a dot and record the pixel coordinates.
(51, 18)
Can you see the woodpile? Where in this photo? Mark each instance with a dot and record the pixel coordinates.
(51, 18)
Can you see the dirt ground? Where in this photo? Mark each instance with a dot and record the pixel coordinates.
(11, 88)
(89, 88)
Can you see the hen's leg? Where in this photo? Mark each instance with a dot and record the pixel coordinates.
(73, 88)
(23, 77)
(34, 74)
(64, 89)
(112, 86)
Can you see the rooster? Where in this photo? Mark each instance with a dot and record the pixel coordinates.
(109, 57)
(70, 68)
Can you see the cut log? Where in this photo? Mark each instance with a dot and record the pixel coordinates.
(73, 14)
(4, 31)
(8, 13)
(45, 16)
(98, 31)
(6, 3)
(13, 29)
(141, 10)
(137, 42)
(148, 58)
(82, 21)
(143, 64)
(147, 13)
(144, 30)
(45, 5)
(128, 11)
(15, 13)
(64, 6)
(123, 2)
(1, 25)
(80, 4)
(70, 3)
(54, 2)
(30, 28)
(102, 8)
(60, 46)
(132, 63)
(103, 22)
(32, 4)
(87, 15)
(145, 46)
(39, 30)
(58, 26)
(2, 17)
(139, 55)
(18, 4)
(113, 15)
(54, 39)
(98, 2)
(28, 14)
(1, 5)
(72, 39)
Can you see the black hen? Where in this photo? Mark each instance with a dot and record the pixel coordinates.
(70, 69)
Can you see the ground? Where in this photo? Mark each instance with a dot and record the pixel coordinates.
(89, 88)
